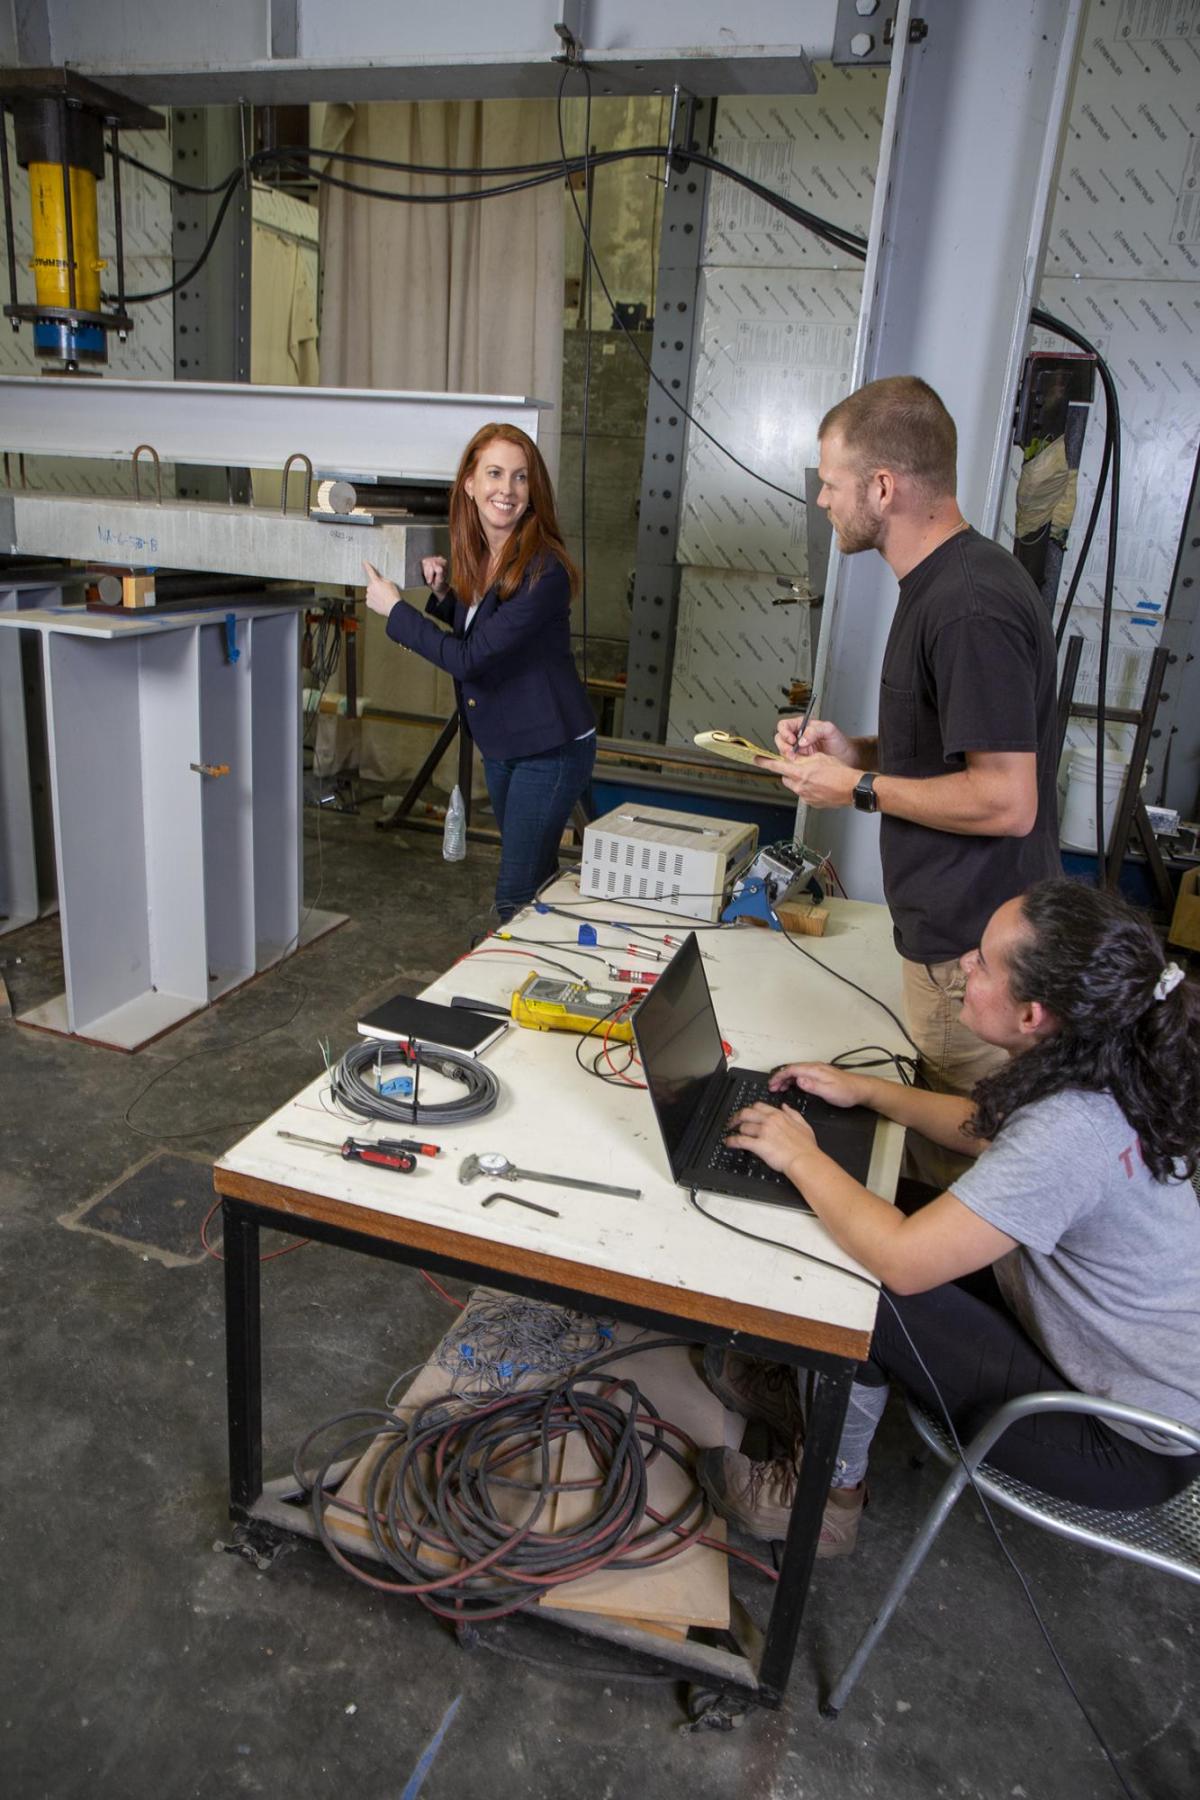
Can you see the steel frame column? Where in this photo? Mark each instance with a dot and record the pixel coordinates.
(970, 144)
(1177, 764)
(656, 578)
(212, 311)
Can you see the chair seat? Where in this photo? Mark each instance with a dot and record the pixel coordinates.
(1165, 1537)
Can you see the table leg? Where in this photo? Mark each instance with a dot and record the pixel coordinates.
(243, 1357)
(823, 1431)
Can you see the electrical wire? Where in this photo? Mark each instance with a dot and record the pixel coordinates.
(217, 1256)
(486, 950)
(614, 1077)
(757, 1237)
(431, 1492)
(504, 1339)
(838, 976)
(905, 1066)
(355, 1094)
(439, 1289)
(204, 1050)
(531, 175)
(511, 937)
(230, 189)
(1110, 463)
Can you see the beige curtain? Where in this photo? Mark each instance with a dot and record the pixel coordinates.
(457, 299)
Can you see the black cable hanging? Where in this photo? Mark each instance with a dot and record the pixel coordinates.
(1110, 464)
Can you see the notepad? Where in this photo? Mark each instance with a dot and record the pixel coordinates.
(402, 1020)
(728, 743)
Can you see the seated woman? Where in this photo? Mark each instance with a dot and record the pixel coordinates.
(1066, 1256)
(508, 648)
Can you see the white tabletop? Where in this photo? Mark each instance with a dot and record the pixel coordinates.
(144, 621)
(772, 1005)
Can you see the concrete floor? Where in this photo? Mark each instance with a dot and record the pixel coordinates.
(139, 1657)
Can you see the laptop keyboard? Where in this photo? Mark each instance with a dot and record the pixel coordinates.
(728, 1161)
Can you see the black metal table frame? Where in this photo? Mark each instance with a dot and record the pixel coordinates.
(759, 1671)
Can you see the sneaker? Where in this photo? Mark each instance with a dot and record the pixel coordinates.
(756, 1390)
(757, 1497)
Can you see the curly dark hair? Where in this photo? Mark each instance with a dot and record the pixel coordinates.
(1095, 962)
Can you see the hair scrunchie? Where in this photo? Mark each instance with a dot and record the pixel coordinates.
(1168, 981)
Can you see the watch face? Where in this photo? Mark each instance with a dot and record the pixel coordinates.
(864, 794)
(492, 1162)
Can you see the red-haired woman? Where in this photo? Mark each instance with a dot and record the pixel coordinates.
(508, 649)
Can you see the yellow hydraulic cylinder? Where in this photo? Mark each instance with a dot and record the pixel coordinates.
(50, 262)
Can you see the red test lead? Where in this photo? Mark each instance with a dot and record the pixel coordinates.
(643, 976)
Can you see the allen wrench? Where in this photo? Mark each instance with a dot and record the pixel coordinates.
(516, 1200)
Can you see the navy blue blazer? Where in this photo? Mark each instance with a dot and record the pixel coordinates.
(519, 692)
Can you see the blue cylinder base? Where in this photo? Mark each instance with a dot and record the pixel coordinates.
(52, 337)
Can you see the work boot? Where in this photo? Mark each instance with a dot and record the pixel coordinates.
(757, 1497)
(756, 1390)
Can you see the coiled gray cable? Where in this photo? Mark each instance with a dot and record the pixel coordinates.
(355, 1094)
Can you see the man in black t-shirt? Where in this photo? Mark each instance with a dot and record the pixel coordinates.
(963, 770)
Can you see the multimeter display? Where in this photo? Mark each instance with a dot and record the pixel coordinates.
(550, 1005)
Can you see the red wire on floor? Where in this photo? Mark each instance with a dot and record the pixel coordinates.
(216, 1255)
(437, 1287)
(301, 1244)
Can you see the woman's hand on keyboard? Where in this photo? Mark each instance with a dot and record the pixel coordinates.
(838, 1086)
(776, 1134)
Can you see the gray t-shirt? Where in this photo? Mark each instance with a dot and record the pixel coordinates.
(1106, 1275)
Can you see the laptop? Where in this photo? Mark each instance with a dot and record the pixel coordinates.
(694, 1091)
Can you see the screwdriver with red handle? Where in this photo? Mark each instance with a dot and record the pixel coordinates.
(399, 1154)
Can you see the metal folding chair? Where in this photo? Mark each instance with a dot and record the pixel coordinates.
(1165, 1537)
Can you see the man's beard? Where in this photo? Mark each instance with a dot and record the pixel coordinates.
(859, 532)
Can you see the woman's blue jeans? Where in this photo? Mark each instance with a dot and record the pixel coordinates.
(532, 798)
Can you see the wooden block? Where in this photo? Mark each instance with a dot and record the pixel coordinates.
(137, 590)
(804, 917)
(675, 1634)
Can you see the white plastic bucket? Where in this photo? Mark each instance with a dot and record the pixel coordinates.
(1077, 817)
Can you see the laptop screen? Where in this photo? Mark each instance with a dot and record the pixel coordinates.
(679, 1044)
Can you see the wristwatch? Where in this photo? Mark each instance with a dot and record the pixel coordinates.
(865, 797)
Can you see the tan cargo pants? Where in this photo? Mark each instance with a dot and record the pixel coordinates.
(953, 1059)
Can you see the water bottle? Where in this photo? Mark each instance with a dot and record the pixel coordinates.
(454, 832)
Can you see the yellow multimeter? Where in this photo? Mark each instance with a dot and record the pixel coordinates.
(546, 1004)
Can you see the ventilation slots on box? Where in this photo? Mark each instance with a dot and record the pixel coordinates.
(670, 861)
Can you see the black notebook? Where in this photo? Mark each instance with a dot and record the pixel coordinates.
(403, 1019)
